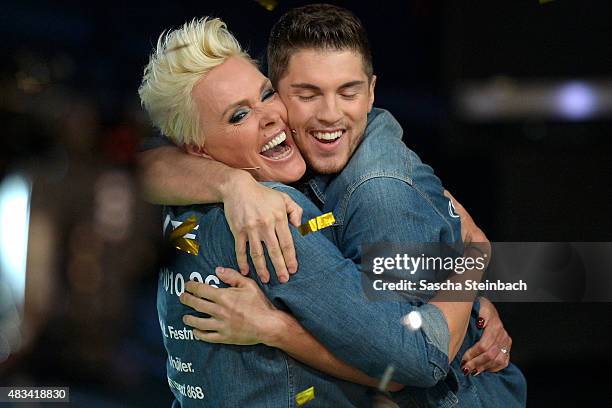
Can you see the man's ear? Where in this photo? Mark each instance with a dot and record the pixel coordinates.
(371, 93)
(199, 151)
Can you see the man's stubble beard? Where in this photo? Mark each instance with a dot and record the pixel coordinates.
(335, 164)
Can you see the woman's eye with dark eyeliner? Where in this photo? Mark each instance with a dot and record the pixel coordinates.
(268, 94)
(238, 116)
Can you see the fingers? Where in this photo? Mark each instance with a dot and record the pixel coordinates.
(263, 217)
(488, 355)
(279, 242)
(202, 323)
(231, 277)
(493, 360)
(498, 363)
(201, 305)
(477, 349)
(487, 310)
(209, 337)
(503, 358)
(258, 257)
(481, 346)
(481, 362)
(241, 256)
(294, 211)
(276, 255)
(287, 247)
(202, 290)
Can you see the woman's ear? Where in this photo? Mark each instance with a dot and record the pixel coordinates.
(199, 151)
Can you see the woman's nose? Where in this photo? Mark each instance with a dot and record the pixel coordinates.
(269, 117)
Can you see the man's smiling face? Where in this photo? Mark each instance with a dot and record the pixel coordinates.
(328, 96)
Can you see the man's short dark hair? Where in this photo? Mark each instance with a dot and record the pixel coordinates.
(319, 27)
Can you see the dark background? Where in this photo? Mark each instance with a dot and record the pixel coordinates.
(69, 74)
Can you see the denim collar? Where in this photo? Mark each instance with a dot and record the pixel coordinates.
(318, 183)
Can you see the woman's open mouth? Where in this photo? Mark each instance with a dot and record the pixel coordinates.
(277, 148)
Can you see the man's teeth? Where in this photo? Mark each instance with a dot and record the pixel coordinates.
(274, 142)
(328, 135)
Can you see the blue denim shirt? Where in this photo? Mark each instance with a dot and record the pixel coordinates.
(386, 194)
(432, 382)
(325, 296)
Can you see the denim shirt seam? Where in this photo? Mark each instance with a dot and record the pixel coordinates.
(366, 177)
(315, 188)
(290, 389)
(431, 204)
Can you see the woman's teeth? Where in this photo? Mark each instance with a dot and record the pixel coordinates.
(274, 142)
(327, 136)
(281, 152)
(277, 152)
(276, 149)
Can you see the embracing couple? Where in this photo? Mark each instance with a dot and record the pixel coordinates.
(298, 330)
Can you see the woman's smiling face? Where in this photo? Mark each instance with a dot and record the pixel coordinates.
(244, 123)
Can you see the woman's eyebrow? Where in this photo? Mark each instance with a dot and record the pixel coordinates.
(244, 101)
(264, 84)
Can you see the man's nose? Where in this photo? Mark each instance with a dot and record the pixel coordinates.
(329, 111)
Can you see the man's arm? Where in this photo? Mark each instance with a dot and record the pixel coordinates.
(169, 176)
(293, 339)
(387, 209)
(244, 316)
(327, 299)
(486, 354)
(255, 213)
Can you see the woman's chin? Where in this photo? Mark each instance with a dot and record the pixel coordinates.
(287, 172)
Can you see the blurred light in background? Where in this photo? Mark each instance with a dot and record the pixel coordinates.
(503, 98)
(577, 100)
(15, 192)
(113, 205)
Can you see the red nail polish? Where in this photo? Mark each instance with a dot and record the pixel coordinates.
(480, 322)
(465, 371)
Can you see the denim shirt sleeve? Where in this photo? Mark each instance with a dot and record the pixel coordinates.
(381, 120)
(325, 296)
(389, 209)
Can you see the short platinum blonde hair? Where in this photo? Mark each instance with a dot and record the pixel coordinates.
(183, 57)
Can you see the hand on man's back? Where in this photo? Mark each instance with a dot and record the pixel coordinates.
(256, 214)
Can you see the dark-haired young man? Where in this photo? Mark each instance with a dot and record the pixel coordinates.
(320, 62)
